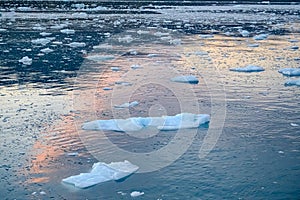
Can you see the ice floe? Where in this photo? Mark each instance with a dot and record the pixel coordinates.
(42, 41)
(164, 123)
(248, 68)
(45, 34)
(100, 58)
(135, 67)
(127, 105)
(136, 194)
(26, 60)
(102, 172)
(261, 37)
(186, 79)
(67, 31)
(295, 82)
(47, 50)
(76, 44)
(290, 71)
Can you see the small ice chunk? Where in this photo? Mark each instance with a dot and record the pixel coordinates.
(127, 105)
(107, 88)
(24, 9)
(186, 79)
(293, 40)
(151, 55)
(80, 15)
(290, 71)
(100, 58)
(261, 37)
(136, 194)
(175, 41)
(293, 48)
(45, 34)
(281, 152)
(102, 172)
(125, 39)
(124, 83)
(3, 29)
(115, 69)
(67, 31)
(292, 82)
(76, 44)
(26, 60)
(253, 45)
(42, 193)
(248, 68)
(244, 33)
(42, 41)
(72, 154)
(294, 124)
(47, 50)
(135, 67)
(206, 36)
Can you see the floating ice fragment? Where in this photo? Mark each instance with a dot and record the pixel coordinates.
(125, 39)
(102, 172)
(135, 67)
(124, 83)
(206, 36)
(122, 193)
(293, 40)
(136, 194)
(115, 69)
(294, 124)
(67, 31)
(290, 71)
(42, 41)
(292, 82)
(175, 41)
(26, 60)
(107, 88)
(261, 37)
(76, 44)
(164, 123)
(151, 55)
(248, 68)
(42, 192)
(80, 15)
(293, 48)
(281, 152)
(45, 34)
(244, 33)
(100, 58)
(127, 105)
(47, 50)
(253, 45)
(3, 29)
(186, 79)
(72, 154)
(24, 9)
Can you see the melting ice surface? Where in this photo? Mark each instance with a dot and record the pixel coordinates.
(102, 172)
(248, 68)
(164, 123)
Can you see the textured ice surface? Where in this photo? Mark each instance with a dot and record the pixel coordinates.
(248, 68)
(290, 71)
(164, 123)
(295, 82)
(186, 79)
(102, 172)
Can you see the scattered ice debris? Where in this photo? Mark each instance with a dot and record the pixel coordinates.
(290, 71)
(47, 50)
(24, 9)
(293, 40)
(164, 123)
(136, 66)
(100, 58)
(140, 32)
(294, 124)
(76, 44)
(248, 68)
(261, 37)
(45, 34)
(102, 172)
(57, 42)
(186, 79)
(244, 33)
(151, 55)
(67, 31)
(42, 41)
(73, 154)
(136, 194)
(107, 88)
(253, 45)
(292, 82)
(127, 105)
(206, 36)
(26, 60)
(115, 69)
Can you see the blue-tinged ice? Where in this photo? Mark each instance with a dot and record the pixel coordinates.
(290, 71)
(26, 60)
(100, 58)
(295, 82)
(248, 68)
(127, 105)
(76, 44)
(102, 172)
(164, 123)
(261, 37)
(186, 79)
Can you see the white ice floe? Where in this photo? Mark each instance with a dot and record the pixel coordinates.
(26, 60)
(206, 36)
(47, 50)
(125, 39)
(248, 68)
(127, 105)
(102, 172)
(261, 37)
(80, 15)
(76, 44)
(42, 41)
(290, 71)
(164, 123)
(186, 79)
(294, 124)
(67, 31)
(3, 29)
(244, 33)
(136, 66)
(136, 194)
(175, 41)
(253, 45)
(45, 34)
(295, 82)
(100, 58)
(115, 69)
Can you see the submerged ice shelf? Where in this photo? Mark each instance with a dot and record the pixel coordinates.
(164, 123)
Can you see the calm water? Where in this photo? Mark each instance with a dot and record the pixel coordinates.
(255, 151)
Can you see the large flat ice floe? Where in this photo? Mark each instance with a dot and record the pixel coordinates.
(102, 172)
(290, 71)
(295, 82)
(164, 123)
(248, 68)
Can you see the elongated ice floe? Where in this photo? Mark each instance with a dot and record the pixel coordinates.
(100, 58)
(186, 79)
(164, 123)
(248, 68)
(26, 60)
(102, 172)
(290, 71)
(295, 82)
(261, 37)
(127, 105)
